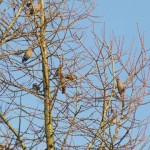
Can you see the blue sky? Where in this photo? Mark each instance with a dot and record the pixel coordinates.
(121, 17)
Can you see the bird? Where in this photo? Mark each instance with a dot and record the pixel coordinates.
(29, 3)
(120, 87)
(35, 87)
(121, 90)
(2, 147)
(27, 54)
(34, 9)
(62, 83)
(31, 11)
(58, 71)
(71, 77)
(113, 119)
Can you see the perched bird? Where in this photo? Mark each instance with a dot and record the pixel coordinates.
(121, 90)
(113, 119)
(71, 77)
(27, 54)
(2, 147)
(62, 83)
(120, 87)
(34, 9)
(31, 11)
(35, 87)
(58, 71)
(29, 3)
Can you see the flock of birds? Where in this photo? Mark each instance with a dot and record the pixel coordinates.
(71, 76)
(58, 73)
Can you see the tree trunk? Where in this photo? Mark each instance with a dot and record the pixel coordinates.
(46, 85)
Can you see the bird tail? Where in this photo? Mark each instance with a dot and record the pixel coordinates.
(63, 90)
(23, 60)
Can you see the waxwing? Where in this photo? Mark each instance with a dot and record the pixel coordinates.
(113, 119)
(62, 83)
(35, 9)
(2, 147)
(35, 87)
(71, 77)
(58, 71)
(27, 54)
(29, 3)
(120, 87)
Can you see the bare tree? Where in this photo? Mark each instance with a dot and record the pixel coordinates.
(61, 90)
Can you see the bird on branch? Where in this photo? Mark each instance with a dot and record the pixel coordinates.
(121, 90)
(34, 9)
(27, 54)
(71, 77)
(59, 71)
(29, 3)
(120, 86)
(62, 83)
(35, 87)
